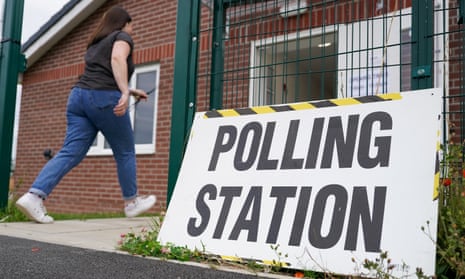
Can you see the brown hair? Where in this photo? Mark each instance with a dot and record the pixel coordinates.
(113, 19)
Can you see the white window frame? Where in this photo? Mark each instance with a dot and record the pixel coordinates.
(100, 150)
(257, 83)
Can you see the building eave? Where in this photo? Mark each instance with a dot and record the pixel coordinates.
(57, 27)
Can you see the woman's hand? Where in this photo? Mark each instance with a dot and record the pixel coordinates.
(138, 94)
(122, 106)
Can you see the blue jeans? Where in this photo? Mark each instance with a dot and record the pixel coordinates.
(89, 111)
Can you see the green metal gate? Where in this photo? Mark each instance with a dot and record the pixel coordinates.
(242, 53)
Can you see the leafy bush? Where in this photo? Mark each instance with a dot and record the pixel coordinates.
(451, 221)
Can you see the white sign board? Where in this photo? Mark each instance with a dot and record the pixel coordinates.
(326, 181)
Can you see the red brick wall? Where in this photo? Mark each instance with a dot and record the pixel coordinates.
(93, 185)
(260, 21)
(456, 76)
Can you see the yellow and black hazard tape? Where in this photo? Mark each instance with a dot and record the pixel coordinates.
(436, 170)
(302, 105)
(246, 260)
(436, 178)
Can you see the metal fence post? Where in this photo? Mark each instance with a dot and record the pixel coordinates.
(11, 62)
(422, 44)
(217, 63)
(185, 85)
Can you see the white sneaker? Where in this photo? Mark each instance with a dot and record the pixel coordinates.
(139, 205)
(33, 207)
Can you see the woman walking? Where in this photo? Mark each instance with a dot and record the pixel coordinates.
(99, 101)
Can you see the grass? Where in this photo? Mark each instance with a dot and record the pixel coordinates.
(12, 214)
(85, 216)
(15, 215)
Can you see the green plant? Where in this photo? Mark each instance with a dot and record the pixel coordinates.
(278, 264)
(382, 268)
(11, 213)
(451, 220)
(145, 243)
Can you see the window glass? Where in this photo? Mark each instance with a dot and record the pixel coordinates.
(143, 114)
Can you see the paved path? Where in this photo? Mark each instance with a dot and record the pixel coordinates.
(88, 249)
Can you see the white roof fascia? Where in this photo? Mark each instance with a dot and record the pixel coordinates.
(60, 29)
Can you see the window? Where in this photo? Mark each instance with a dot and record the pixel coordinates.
(294, 68)
(143, 115)
(359, 58)
(375, 55)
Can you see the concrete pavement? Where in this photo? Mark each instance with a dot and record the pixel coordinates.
(74, 245)
(95, 234)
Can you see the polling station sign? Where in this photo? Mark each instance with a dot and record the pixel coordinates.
(312, 185)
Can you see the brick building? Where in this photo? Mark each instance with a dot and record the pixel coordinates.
(55, 60)
(274, 52)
